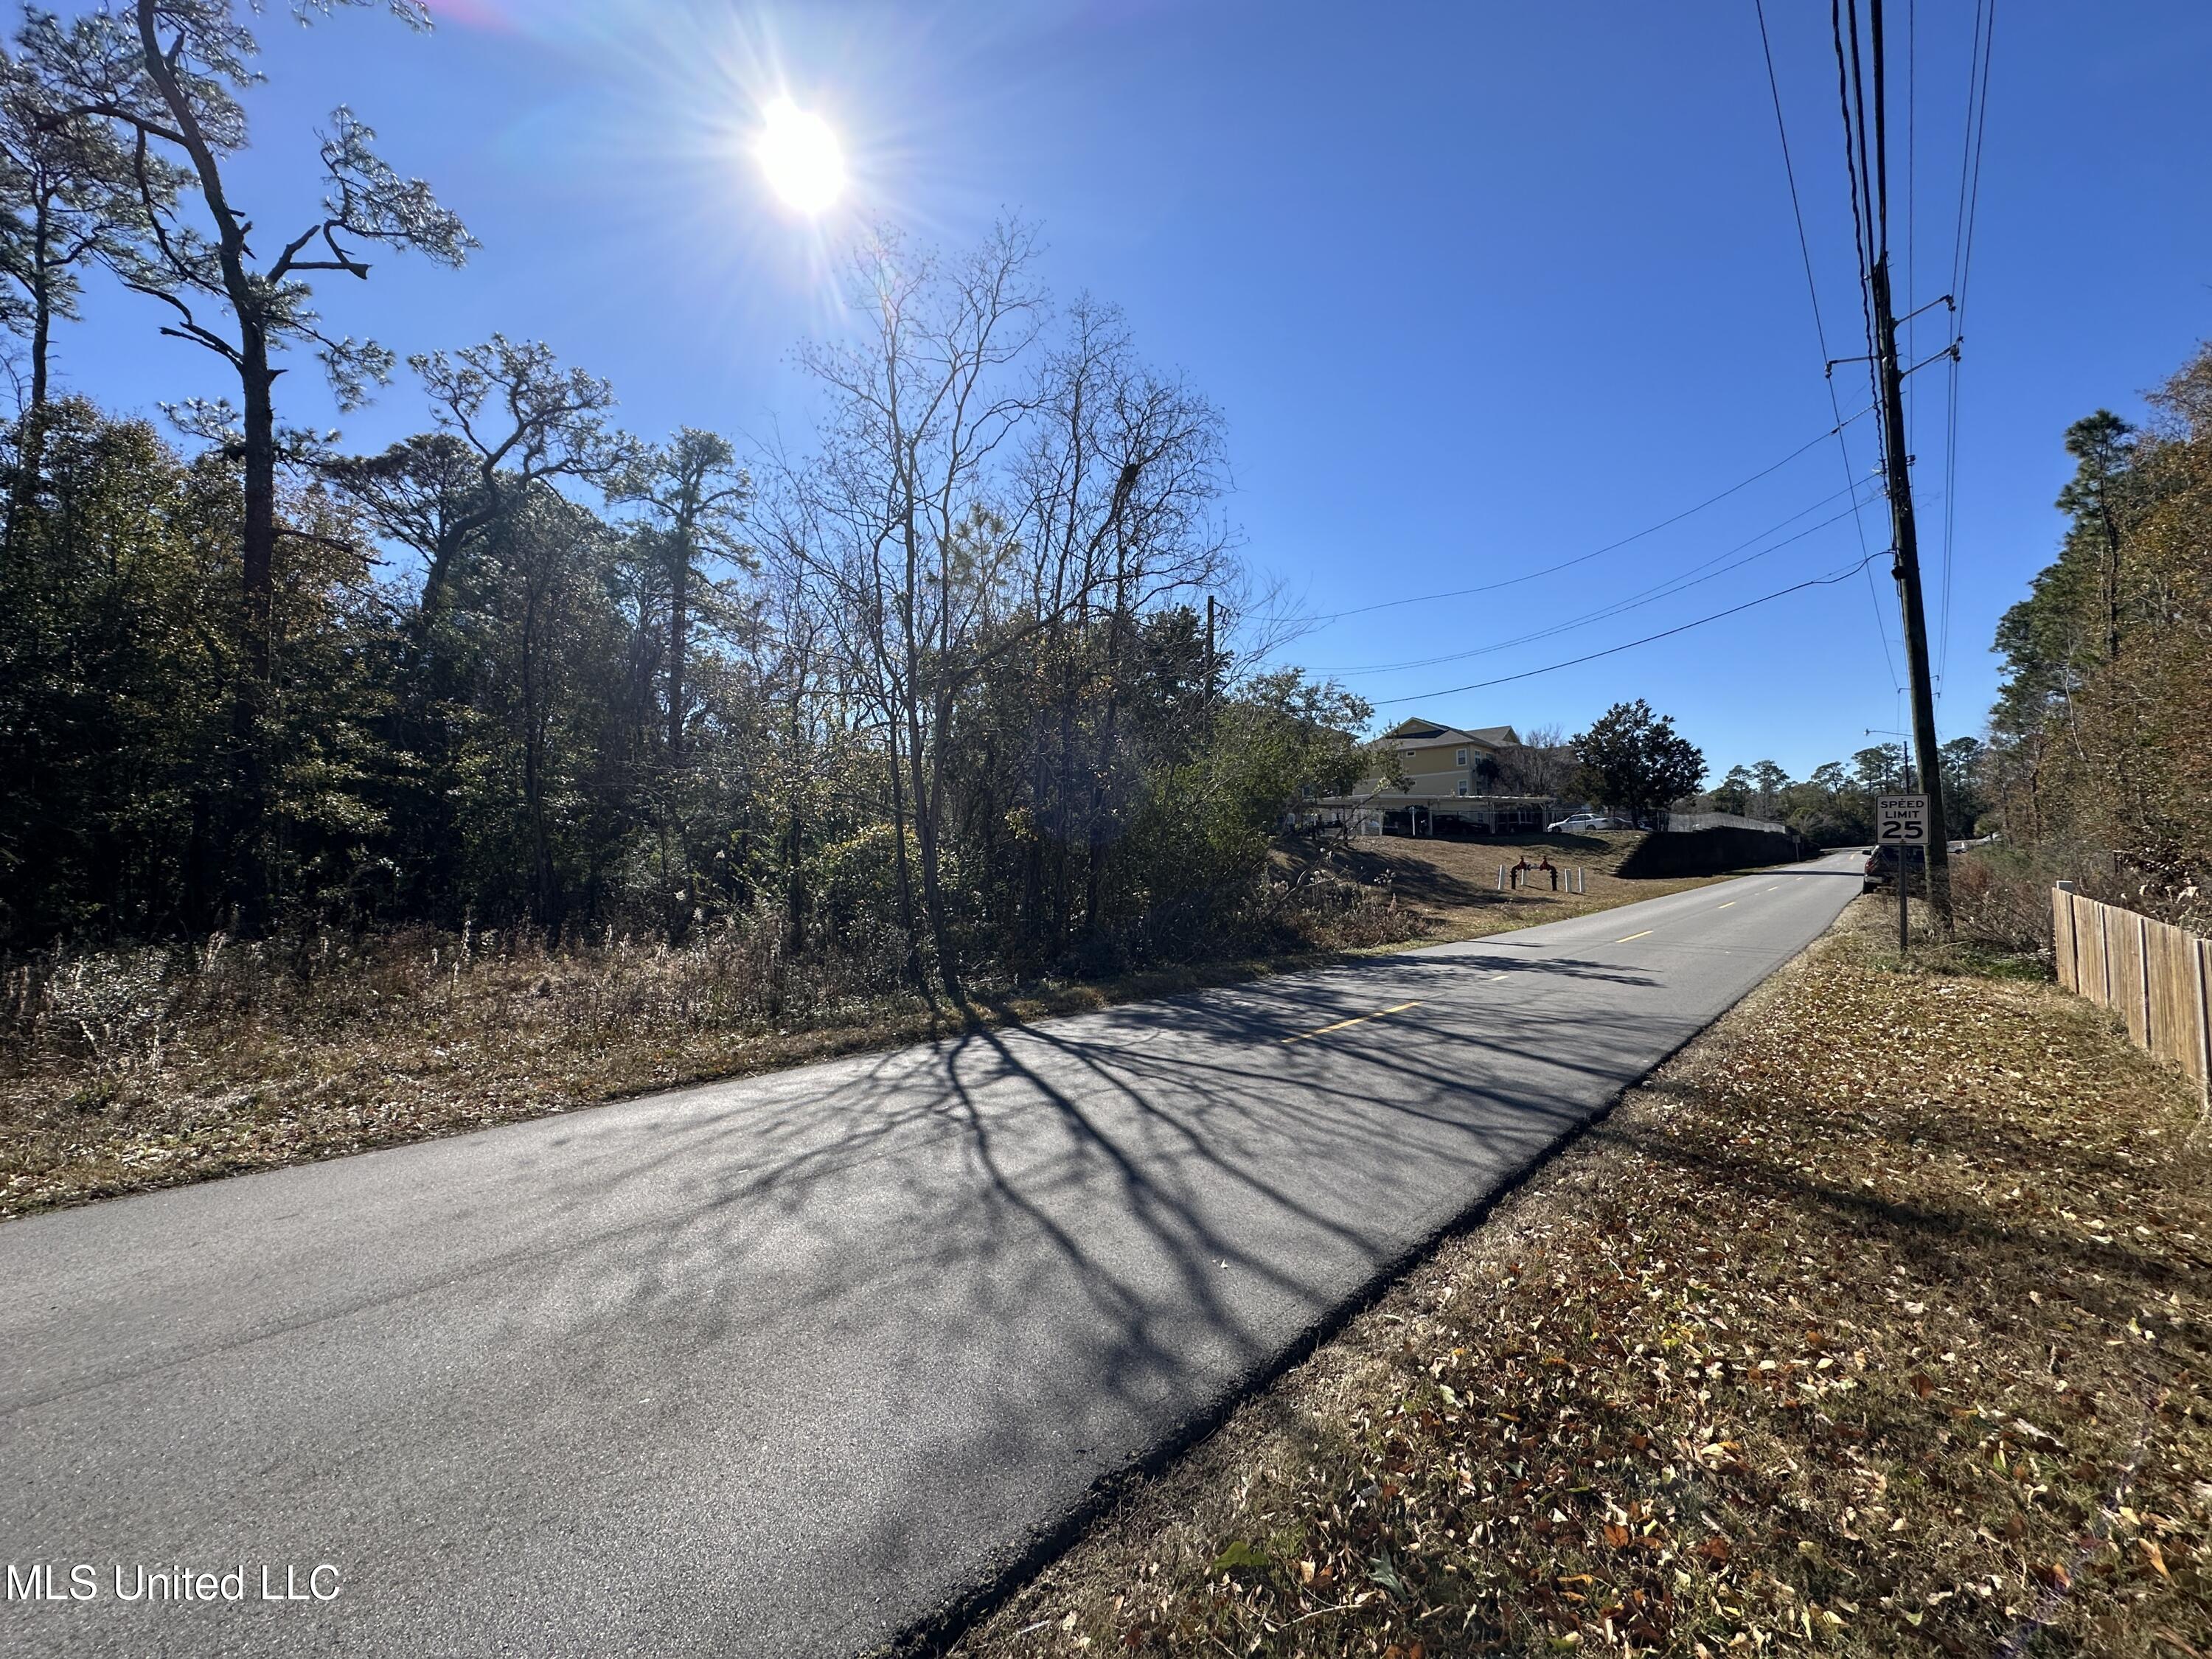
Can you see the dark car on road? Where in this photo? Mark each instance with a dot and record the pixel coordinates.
(1883, 863)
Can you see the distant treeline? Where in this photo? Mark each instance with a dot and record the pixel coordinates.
(1835, 806)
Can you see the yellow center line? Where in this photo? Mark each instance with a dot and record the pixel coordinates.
(1355, 1020)
(1646, 934)
(1726, 906)
(1501, 976)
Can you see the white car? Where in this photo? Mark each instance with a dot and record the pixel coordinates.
(1582, 821)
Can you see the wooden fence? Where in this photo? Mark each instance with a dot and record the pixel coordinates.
(2154, 975)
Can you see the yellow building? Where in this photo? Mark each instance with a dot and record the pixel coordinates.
(1448, 774)
(1444, 761)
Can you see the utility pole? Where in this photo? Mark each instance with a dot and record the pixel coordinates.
(1213, 677)
(1212, 705)
(1906, 568)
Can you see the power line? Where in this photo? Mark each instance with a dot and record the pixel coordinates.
(1679, 583)
(1845, 574)
(1950, 516)
(1970, 183)
(1911, 197)
(1880, 126)
(1962, 250)
(1610, 547)
(1854, 167)
(1819, 327)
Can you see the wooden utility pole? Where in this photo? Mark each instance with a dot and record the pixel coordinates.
(1213, 703)
(1897, 466)
(1212, 678)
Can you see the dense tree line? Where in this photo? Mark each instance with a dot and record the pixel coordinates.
(950, 683)
(2098, 760)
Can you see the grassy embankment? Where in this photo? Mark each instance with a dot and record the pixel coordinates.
(1449, 888)
(125, 1071)
(1875, 1323)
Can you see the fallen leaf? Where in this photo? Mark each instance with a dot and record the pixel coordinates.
(1241, 1554)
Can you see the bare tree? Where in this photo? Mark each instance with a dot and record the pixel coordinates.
(1115, 493)
(1541, 765)
(958, 510)
(900, 527)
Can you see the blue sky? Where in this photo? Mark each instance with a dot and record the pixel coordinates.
(1480, 288)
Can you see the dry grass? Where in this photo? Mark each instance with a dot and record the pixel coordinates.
(122, 1071)
(125, 1070)
(1875, 1324)
(136, 1070)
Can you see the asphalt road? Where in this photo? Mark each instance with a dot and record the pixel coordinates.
(776, 1366)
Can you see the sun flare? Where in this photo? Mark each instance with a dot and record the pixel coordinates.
(801, 157)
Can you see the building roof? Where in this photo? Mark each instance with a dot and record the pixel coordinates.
(1425, 733)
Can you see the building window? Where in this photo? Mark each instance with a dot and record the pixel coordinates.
(1460, 760)
(1462, 786)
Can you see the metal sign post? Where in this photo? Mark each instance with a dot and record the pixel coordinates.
(1900, 823)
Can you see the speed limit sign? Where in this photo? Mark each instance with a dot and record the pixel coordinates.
(1902, 820)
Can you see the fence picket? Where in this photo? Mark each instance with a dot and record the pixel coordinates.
(2141, 987)
(2062, 936)
(2094, 983)
(2197, 947)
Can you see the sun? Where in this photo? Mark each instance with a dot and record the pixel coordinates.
(801, 156)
